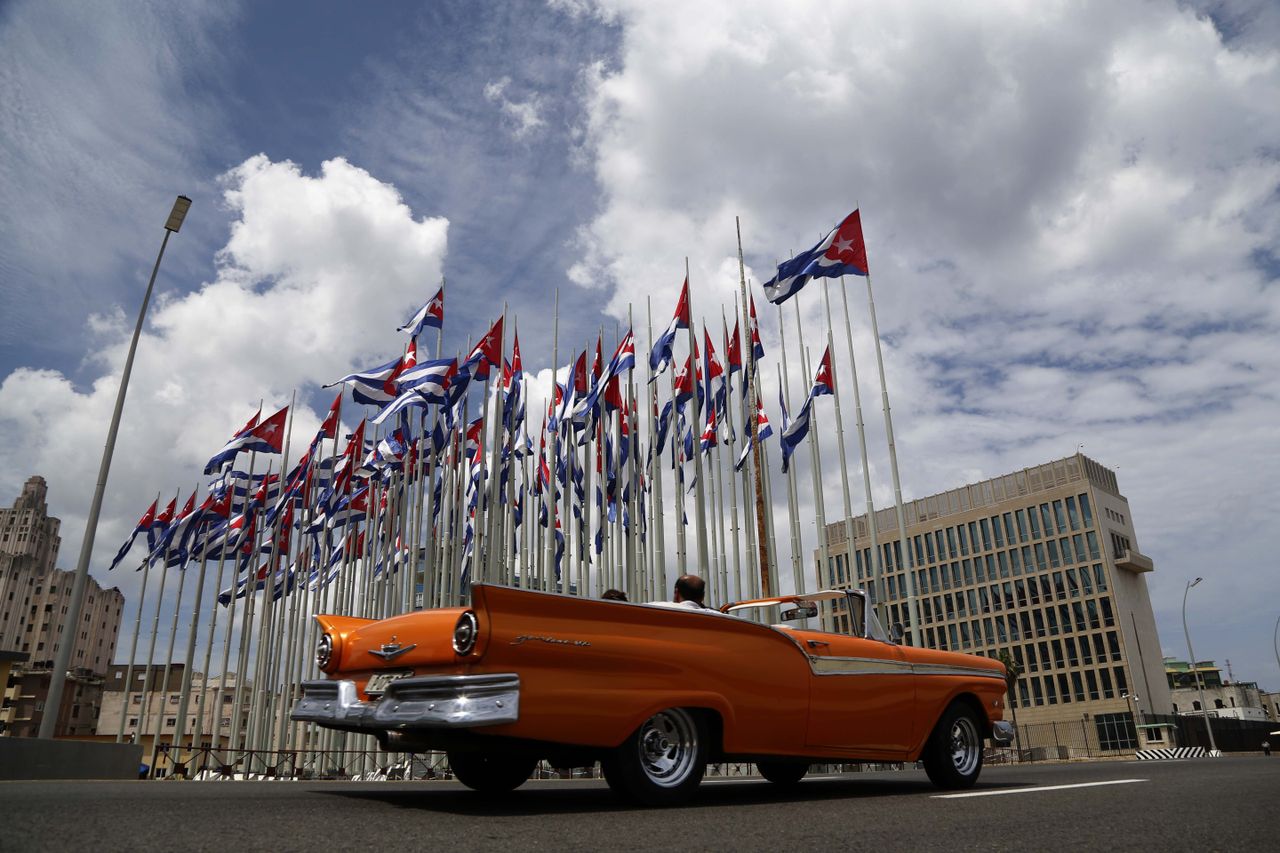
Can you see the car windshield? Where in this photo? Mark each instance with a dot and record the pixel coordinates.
(834, 611)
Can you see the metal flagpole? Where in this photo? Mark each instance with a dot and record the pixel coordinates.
(796, 538)
(198, 731)
(658, 527)
(133, 650)
(168, 658)
(844, 464)
(874, 566)
(733, 452)
(231, 619)
(703, 559)
(908, 563)
(549, 496)
(151, 652)
(753, 394)
(819, 505)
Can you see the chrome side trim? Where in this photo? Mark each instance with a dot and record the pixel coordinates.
(1002, 732)
(431, 701)
(955, 669)
(825, 665)
(857, 666)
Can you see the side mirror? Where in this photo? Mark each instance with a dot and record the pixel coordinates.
(897, 632)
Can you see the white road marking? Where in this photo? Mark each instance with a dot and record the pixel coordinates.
(1036, 789)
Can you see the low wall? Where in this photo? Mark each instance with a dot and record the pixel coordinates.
(33, 758)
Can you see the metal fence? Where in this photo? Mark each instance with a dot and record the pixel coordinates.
(1107, 735)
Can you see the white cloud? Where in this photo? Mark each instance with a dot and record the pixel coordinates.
(524, 117)
(316, 275)
(101, 120)
(1064, 207)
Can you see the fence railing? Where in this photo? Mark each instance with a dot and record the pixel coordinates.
(1115, 736)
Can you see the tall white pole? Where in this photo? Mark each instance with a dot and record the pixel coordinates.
(907, 559)
(1195, 670)
(875, 565)
(71, 626)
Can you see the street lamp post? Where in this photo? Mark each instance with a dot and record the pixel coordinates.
(70, 626)
(1204, 709)
(1275, 640)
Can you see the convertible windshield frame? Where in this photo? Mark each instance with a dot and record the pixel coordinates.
(862, 617)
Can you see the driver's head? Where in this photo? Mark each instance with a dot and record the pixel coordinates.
(690, 588)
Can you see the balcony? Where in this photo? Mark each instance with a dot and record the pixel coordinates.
(1134, 562)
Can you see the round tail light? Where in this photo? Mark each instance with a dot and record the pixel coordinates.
(324, 652)
(464, 633)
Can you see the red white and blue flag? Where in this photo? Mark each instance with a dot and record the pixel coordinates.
(660, 357)
(265, 437)
(144, 524)
(841, 252)
(431, 314)
(375, 389)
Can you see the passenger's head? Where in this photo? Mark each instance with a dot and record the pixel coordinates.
(690, 588)
(614, 595)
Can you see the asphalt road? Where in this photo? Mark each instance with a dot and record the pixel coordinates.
(1204, 804)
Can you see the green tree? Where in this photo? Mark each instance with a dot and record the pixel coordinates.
(1012, 672)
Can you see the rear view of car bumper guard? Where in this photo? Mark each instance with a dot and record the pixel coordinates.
(1002, 732)
(431, 701)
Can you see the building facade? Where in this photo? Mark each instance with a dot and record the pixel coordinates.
(34, 601)
(1237, 700)
(149, 706)
(1042, 564)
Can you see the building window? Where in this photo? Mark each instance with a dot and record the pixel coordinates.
(1116, 731)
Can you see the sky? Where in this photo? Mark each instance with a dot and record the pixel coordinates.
(1071, 210)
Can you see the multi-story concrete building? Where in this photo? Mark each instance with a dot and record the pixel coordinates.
(1238, 700)
(162, 700)
(1042, 564)
(34, 600)
(29, 545)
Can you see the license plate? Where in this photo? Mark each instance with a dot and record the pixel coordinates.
(377, 684)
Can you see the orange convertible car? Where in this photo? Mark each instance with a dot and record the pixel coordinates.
(653, 692)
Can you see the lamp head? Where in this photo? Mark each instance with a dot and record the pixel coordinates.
(1194, 582)
(179, 213)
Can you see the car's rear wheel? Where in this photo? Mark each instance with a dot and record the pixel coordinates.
(491, 774)
(661, 761)
(953, 755)
(782, 772)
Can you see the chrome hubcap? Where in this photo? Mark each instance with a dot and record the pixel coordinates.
(668, 744)
(966, 747)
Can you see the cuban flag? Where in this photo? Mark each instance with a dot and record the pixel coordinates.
(180, 532)
(660, 357)
(795, 432)
(330, 426)
(231, 448)
(377, 391)
(144, 523)
(841, 252)
(265, 437)
(487, 353)
(160, 526)
(431, 314)
(421, 385)
(623, 359)
(757, 348)
(715, 386)
(763, 431)
(823, 383)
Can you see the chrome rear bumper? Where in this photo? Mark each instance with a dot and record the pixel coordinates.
(1002, 732)
(416, 702)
